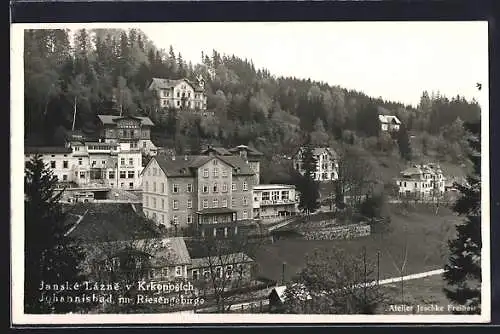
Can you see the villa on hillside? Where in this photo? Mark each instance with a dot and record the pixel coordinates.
(327, 163)
(422, 181)
(389, 123)
(181, 94)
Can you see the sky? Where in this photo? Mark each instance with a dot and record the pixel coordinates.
(394, 60)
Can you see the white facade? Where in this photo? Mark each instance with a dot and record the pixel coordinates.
(389, 123)
(94, 164)
(274, 201)
(178, 94)
(326, 164)
(422, 181)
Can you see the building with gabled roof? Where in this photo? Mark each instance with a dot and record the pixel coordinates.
(327, 163)
(180, 94)
(206, 193)
(389, 123)
(422, 181)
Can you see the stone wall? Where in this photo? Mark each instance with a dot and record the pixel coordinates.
(339, 232)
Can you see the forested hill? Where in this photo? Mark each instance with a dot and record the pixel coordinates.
(103, 68)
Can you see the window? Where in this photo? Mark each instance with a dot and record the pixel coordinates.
(205, 204)
(265, 196)
(215, 203)
(195, 274)
(178, 271)
(189, 187)
(154, 187)
(65, 164)
(163, 203)
(65, 177)
(176, 220)
(94, 163)
(284, 195)
(189, 219)
(131, 185)
(405, 183)
(154, 215)
(205, 172)
(275, 195)
(206, 273)
(215, 188)
(122, 161)
(178, 102)
(175, 188)
(111, 174)
(154, 203)
(245, 186)
(154, 171)
(215, 162)
(233, 187)
(189, 204)
(175, 204)
(415, 184)
(131, 161)
(146, 201)
(103, 162)
(130, 174)
(218, 272)
(162, 188)
(205, 189)
(123, 174)
(52, 164)
(146, 186)
(245, 201)
(224, 203)
(80, 161)
(224, 173)
(229, 271)
(224, 187)
(122, 185)
(245, 214)
(233, 202)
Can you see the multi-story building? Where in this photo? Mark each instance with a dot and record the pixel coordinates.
(133, 130)
(422, 181)
(58, 158)
(209, 192)
(274, 201)
(326, 163)
(180, 94)
(389, 123)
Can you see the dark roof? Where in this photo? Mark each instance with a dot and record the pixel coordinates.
(218, 150)
(47, 149)
(111, 119)
(161, 83)
(104, 222)
(215, 210)
(227, 259)
(164, 251)
(183, 166)
(251, 151)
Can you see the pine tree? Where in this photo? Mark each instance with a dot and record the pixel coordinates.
(308, 187)
(463, 270)
(404, 143)
(50, 255)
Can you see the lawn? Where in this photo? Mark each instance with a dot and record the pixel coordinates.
(424, 291)
(422, 231)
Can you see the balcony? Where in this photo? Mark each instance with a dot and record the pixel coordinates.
(277, 202)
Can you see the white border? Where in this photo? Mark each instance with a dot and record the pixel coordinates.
(17, 227)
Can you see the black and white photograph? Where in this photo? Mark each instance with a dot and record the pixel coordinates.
(250, 172)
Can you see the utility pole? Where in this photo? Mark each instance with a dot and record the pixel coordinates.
(283, 274)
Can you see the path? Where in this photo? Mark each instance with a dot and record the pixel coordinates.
(80, 218)
(265, 302)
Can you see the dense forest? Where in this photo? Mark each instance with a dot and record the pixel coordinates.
(103, 70)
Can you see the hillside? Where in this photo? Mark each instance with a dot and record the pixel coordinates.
(105, 70)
